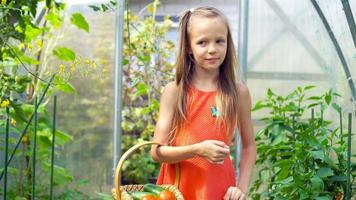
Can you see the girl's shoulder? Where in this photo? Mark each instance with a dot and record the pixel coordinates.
(242, 88)
(242, 91)
(171, 87)
(170, 91)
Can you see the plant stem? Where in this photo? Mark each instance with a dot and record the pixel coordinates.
(53, 144)
(33, 194)
(312, 113)
(6, 149)
(348, 189)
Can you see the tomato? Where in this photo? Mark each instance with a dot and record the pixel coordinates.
(166, 195)
(338, 196)
(148, 197)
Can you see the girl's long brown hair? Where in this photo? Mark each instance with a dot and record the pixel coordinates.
(226, 84)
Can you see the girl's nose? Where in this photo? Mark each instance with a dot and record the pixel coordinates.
(212, 49)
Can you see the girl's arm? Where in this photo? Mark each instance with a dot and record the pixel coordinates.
(248, 152)
(214, 151)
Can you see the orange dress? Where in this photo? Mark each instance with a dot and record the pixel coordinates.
(200, 179)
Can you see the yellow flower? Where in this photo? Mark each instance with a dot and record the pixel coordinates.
(72, 68)
(39, 43)
(13, 122)
(29, 46)
(62, 68)
(103, 62)
(3, 2)
(22, 46)
(25, 139)
(94, 65)
(5, 103)
(87, 61)
(104, 70)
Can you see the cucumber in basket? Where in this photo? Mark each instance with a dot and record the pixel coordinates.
(152, 189)
(139, 195)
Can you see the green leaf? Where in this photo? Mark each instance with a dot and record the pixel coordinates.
(125, 62)
(22, 79)
(314, 98)
(11, 170)
(312, 140)
(322, 198)
(54, 19)
(104, 196)
(59, 5)
(144, 59)
(31, 33)
(48, 3)
(142, 89)
(330, 162)
(314, 105)
(299, 89)
(61, 175)
(318, 154)
(29, 109)
(327, 98)
(11, 129)
(62, 138)
(339, 178)
(44, 136)
(65, 86)
(154, 105)
(283, 173)
(94, 7)
(269, 93)
(259, 105)
(28, 60)
(104, 7)
(79, 21)
(287, 180)
(19, 114)
(33, 8)
(309, 87)
(336, 94)
(290, 96)
(325, 172)
(264, 175)
(283, 163)
(336, 107)
(317, 183)
(64, 54)
(278, 139)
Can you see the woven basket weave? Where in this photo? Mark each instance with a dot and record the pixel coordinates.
(121, 192)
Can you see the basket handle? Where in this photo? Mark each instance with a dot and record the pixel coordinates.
(124, 157)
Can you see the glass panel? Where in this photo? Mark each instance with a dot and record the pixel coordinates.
(88, 116)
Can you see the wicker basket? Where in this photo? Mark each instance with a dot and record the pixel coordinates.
(121, 192)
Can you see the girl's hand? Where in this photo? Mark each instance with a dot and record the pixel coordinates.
(234, 193)
(213, 150)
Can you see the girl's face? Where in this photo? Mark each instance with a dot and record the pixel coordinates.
(208, 42)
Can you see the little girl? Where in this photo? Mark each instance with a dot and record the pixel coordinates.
(200, 111)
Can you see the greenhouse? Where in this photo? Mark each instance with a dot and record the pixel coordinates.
(89, 108)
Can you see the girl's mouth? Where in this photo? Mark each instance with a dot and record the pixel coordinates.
(212, 60)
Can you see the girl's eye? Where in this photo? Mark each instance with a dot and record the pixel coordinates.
(201, 43)
(220, 41)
